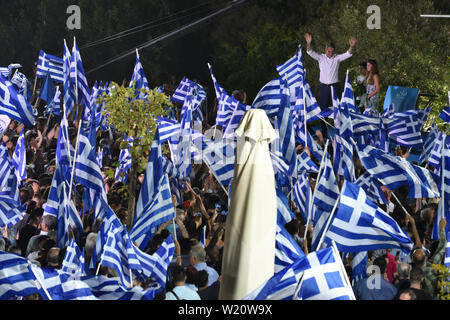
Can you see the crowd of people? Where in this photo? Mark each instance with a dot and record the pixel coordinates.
(195, 270)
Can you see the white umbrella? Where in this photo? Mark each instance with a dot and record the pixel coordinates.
(249, 252)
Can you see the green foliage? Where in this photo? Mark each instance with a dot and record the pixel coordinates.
(443, 281)
(135, 118)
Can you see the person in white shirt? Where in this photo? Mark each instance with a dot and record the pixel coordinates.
(329, 72)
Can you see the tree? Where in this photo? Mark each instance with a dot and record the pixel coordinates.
(135, 118)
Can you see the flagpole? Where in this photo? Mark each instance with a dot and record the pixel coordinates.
(75, 156)
(341, 265)
(442, 172)
(315, 189)
(76, 74)
(39, 281)
(325, 230)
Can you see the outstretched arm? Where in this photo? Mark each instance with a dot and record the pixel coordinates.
(312, 54)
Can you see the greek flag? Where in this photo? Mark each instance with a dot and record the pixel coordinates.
(67, 216)
(65, 152)
(359, 225)
(235, 119)
(445, 114)
(69, 91)
(219, 155)
(88, 172)
(19, 158)
(170, 169)
(5, 165)
(364, 125)
(155, 266)
(302, 194)
(372, 188)
(292, 70)
(11, 211)
(217, 87)
(225, 110)
(270, 97)
(154, 205)
(73, 262)
(50, 65)
(442, 211)
(11, 190)
(344, 146)
(325, 279)
(182, 144)
(15, 105)
(79, 78)
(138, 78)
(189, 88)
(287, 251)
(314, 148)
(282, 285)
(324, 199)
(119, 254)
(104, 288)
(429, 143)
(359, 265)
(121, 173)
(348, 98)
(54, 106)
(16, 278)
(60, 285)
(304, 163)
(434, 158)
(167, 128)
(382, 166)
(405, 130)
(284, 212)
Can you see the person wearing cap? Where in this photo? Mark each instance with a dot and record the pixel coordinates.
(329, 72)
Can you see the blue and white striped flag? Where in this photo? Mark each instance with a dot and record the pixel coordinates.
(16, 278)
(188, 88)
(284, 212)
(104, 288)
(154, 205)
(15, 105)
(19, 158)
(235, 119)
(121, 173)
(359, 265)
(69, 91)
(170, 169)
(50, 65)
(6, 166)
(292, 70)
(405, 130)
(304, 163)
(325, 279)
(68, 216)
(372, 188)
(217, 87)
(167, 128)
(225, 108)
(429, 143)
(219, 155)
(119, 254)
(270, 97)
(302, 194)
(359, 225)
(324, 199)
(155, 266)
(435, 156)
(79, 80)
(73, 262)
(139, 78)
(22, 84)
(54, 106)
(348, 98)
(345, 167)
(287, 250)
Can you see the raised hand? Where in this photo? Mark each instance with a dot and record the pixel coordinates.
(308, 38)
(352, 41)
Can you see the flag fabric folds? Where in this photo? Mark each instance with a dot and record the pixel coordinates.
(154, 205)
(359, 225)
(15, 105)
(50, 65)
